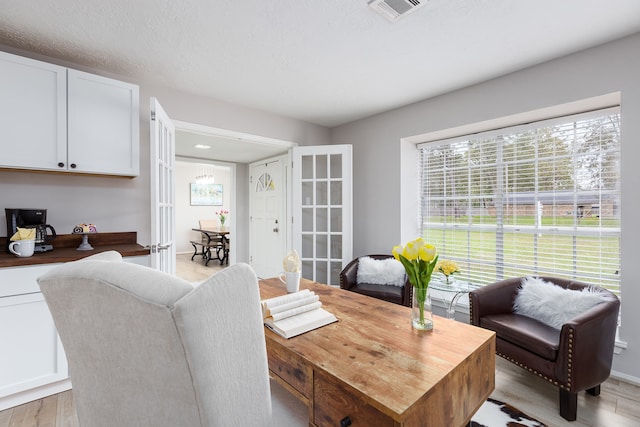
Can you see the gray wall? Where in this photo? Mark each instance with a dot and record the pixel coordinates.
(378, 153)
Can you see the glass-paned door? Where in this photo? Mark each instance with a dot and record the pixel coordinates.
(163, 250)
(322, 207)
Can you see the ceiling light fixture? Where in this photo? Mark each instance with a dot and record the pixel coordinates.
(205, 179)
(205, 175)
(393, 10)
(202, 146)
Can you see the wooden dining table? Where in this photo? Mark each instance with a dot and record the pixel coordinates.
(216, 238)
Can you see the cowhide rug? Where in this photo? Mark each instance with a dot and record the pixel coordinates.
(494, 413)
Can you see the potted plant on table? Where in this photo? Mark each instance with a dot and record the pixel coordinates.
(222, 216)
(448, 268)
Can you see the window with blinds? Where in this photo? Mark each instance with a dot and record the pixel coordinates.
(538, 199)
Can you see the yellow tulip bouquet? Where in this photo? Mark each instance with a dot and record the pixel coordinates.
(419, 260)
(448, 268)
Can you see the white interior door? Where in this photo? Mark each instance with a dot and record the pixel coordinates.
(163, 250)
(322, 210)
(268, 235)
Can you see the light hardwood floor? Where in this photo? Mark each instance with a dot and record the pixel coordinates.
(617, 406)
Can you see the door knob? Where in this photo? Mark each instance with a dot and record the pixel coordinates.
(275, 230)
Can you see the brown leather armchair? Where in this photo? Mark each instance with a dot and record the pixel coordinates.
(396, 294)
(577, 357)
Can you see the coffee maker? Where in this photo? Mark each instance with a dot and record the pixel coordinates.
(31, 218)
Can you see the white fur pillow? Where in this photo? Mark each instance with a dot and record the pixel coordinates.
(388, 271)
(554, 305)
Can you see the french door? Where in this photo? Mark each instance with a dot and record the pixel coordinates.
(163, 250)
(322, 210)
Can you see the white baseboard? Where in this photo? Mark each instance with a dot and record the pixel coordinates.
(34, 394)
(625, 377)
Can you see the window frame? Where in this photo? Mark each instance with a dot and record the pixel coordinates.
(539, 229)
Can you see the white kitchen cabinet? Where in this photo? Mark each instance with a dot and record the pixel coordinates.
(32, 360)
(33, 364)
(33, 113)
(32, 355)
(64, 120)
(103, 131)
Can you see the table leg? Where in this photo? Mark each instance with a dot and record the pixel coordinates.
(207, 255)
(452, 305)
(195, 250)
(225, 252)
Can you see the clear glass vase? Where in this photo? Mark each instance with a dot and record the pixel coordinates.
(421, 315)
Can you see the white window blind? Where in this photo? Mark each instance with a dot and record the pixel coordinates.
(538, 199)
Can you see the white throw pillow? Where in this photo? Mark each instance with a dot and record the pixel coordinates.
(388, 271)
(554, 305)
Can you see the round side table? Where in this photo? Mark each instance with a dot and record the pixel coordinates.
(456, 289)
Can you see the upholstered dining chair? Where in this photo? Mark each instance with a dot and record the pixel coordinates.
(149, 349)
(207, 242)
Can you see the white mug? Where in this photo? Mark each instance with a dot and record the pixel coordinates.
(291, 279)
(22, 248)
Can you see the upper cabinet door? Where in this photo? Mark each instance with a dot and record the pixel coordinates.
(103, 132)
(33, 113)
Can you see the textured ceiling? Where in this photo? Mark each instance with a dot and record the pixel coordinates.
(327, 62)
(323, 61)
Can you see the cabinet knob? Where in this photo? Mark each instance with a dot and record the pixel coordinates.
(60, 164)
(345, 422)
(73, 165)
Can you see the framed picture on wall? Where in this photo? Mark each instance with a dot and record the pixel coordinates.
(206, 194)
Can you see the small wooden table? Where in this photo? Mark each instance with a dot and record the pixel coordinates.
(217, 238)
(374, 368)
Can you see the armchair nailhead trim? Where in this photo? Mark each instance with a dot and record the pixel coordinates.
(570, 359)
(533, 371)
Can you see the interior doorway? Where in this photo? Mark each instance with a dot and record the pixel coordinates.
(192, 176)
(235, 150)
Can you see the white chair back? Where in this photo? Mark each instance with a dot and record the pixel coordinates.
(149, 349)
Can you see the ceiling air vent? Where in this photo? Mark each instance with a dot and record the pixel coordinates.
(394, 9)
